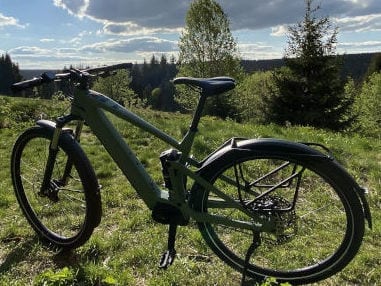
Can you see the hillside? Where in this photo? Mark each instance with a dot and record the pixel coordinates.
(125, 248)
(354, 65)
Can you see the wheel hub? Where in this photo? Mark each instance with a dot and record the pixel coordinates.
(281, 212)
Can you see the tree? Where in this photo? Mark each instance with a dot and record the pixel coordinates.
(150, 76)
(368, 106)
(374, 66)
(207, 49)
(117, 87)
(309, 88)
(9, 74)
(251, 94)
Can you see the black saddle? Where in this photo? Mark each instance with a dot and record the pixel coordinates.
(209, 86)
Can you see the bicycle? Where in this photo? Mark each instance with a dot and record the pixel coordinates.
(291, 204)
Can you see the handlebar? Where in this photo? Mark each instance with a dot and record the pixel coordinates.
(109, 68)
(74, 74)
(36, 81)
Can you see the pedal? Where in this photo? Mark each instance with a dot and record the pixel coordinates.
(168, 256)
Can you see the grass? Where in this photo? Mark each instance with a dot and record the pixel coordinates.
(125, 248)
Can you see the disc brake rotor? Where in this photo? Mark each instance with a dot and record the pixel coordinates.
(281, 212)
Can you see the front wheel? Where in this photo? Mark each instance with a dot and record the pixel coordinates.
(65, 213)
(319, 223)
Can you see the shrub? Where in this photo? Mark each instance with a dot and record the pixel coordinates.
(251, 95)
(62, 277)
(368, 107)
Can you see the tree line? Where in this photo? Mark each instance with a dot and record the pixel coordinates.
(9, 74)
(151, 82)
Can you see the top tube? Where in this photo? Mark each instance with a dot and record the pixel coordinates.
(123, 113)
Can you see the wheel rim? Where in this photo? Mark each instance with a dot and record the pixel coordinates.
(323, 229)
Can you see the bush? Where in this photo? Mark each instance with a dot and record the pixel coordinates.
(251, 95)
(19, 111)
(25, 111)
(367, 106)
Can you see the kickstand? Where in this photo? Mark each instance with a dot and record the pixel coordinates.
(168, 256)
(254, 245)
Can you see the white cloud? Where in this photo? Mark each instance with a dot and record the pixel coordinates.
(74, 7)
(9, 21)
(359, 47)
(138, 44)
(132, 29)
(32, 57)
(47, 40)
(153, 16)
(279, 31)
(140, 28)
(366, 44)
(25, 50)
(363, 23)
(258, 51)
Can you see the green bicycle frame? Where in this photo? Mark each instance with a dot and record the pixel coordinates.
(90, 106)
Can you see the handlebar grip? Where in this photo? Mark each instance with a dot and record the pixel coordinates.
(44, 78)
(19, 86)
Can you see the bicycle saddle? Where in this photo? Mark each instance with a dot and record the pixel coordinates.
(209, 86)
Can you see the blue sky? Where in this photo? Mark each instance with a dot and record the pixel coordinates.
(56, 33)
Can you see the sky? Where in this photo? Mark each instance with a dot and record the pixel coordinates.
(52, 34)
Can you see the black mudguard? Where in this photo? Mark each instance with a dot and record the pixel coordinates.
(51, 125)
(277, 148)
(267, 147)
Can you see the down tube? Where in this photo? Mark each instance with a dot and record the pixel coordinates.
(123, 156)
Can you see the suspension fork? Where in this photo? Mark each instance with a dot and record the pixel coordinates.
(53, 150)
(47, 184)
(69, 164)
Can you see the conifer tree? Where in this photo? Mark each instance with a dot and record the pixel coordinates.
(309, 88)
(374, 65)
(9, 74)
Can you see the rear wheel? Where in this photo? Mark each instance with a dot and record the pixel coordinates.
(65, 214)
(319, 222)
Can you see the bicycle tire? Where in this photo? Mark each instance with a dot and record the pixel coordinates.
(325, 231)
(67, 220)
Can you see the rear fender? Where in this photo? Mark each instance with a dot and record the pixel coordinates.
(267, 147)
(277, 148)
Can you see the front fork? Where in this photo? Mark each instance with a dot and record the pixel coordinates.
(69, 164)
(50, 187)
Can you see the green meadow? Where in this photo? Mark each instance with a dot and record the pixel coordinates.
(125, 248)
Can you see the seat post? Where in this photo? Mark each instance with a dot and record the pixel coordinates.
(198, 112)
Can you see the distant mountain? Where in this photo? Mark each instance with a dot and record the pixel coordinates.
(354, 65)
(28, 74)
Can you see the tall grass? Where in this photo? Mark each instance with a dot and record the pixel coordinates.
(125, 248)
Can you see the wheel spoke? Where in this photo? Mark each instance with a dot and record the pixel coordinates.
(57, 213)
